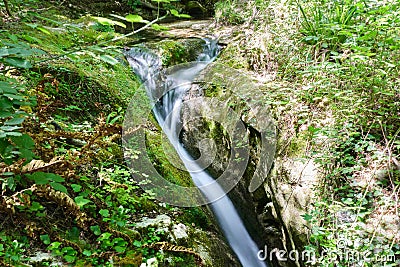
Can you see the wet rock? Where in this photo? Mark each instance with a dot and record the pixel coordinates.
(180, 231)
(209, 245)
(161, 221)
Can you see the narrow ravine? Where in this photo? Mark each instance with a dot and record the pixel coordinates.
(167, 112)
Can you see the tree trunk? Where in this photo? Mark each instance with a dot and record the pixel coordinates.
(7, 7)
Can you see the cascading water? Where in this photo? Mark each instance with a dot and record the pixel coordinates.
(167, 107)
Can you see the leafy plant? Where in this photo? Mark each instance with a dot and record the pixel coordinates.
(328, 24)
(14, 104)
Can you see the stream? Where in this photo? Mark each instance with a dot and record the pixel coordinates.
(167, 108)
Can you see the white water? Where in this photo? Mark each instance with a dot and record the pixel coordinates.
(167, 113)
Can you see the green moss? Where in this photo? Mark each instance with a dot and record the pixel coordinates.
(232, 57)
(174, 52)
(156, 149)
(296, 146)
(89, 88)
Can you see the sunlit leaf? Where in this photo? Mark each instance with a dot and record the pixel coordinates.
(134, 18)
(175, 13)
(106, 21)
(15, 121)
(158, 27)
(44, 30)
(104, 213)
(81, 201)
(59, 187)
(109, 59)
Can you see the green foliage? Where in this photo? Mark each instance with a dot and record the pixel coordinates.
(340, 25)
(16, 53)
(332, 67)
(329, 23)
(14, 103)
(11, 250)
(233, 12)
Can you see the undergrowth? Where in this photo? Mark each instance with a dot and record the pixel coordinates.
(65, 188)
(332, 74)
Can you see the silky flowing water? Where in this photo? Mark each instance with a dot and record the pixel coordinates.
(167, 108)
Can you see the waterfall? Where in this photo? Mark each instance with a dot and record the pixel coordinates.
(167, 107)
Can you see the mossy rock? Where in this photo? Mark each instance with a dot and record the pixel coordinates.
(91, 88)
(195, 9)
(173, 52)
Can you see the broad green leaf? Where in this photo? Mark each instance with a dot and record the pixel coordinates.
(5, 114)
(104, 213)
(59, 187)
(44, 30)
(15, 121)
(32, 39)
(307, 217)
(69, 258)
(20, 52)
(16, 97)
(73, 57)
(134, 18)
(81, 201)
(95, 229)
(97, 49)
(185, 16)
(32, 25)
(158, 27)
(119, 249)
(36, 207)
(26, 153)
(11, 183)
(44, 177)
(137, 243)
(106, 21)
(39, 178)
(45, 239)
(55, 177)
(105, 236)
(7, 88)
(76, 187)
(176, 14)
(54, 245)
(13, 134)
(87, 253)
(18, 62)
(24, 141)
(4, 52)
(38, 51)
(9, 128)
(5, 103)
(109, 59)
